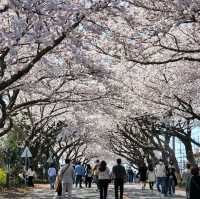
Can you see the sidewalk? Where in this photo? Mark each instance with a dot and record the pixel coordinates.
(131, 192)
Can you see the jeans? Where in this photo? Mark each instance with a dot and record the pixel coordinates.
(119, 185)
(52, 180)
(96, 180)
(79, 181)
(130, 178)
(103, 188)
(88, 181)
(171, 186)
(161, 181)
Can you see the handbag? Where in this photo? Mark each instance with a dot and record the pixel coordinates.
(58, 185)
(59, 182)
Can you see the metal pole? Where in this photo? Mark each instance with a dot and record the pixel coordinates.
(25, 170)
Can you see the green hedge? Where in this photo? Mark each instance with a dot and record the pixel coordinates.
(2, 177)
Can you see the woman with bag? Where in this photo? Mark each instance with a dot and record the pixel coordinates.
(58, 185)
(66, 175)
(104, 179)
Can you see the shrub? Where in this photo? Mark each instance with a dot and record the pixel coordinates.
(2, 177)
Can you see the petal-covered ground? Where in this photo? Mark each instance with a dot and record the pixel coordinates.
(131, 192)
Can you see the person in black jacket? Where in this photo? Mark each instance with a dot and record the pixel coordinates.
(194, 185)
(143, 174)
(119, 175)
(171, 178)
(88, 176)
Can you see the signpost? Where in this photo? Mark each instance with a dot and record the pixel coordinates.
(26, 154)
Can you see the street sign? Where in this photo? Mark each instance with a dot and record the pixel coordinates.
(26, 153)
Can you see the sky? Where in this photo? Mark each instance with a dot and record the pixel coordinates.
(180, 150)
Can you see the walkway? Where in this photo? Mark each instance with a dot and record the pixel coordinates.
(131, 192)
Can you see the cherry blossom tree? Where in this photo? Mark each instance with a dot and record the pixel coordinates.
(154, 46)
(110, 60)
(32, 33)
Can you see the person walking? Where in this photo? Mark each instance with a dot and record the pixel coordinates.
(119, 175)
(160, 171)
(88, 176)
(130, 174)
(172, 180)
(194, 184)
(52, 176)
(104, 179)
(143, 174)
(151, 176)
(186, 176)
(134, 176)
(30, 175)
(96, 173)
(79, 172)
(66, 175)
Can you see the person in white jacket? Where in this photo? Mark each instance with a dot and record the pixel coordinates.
(160, 171)
(151, 176)
(104, 179)
(67, 176)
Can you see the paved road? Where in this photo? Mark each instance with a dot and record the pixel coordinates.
(131, 192)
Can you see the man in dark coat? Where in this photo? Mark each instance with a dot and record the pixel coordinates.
(119, 175)
(194, 185)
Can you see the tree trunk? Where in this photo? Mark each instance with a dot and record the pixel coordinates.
(174, 160)
(189, 152)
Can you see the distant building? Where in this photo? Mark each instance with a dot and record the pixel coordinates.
(197, 157)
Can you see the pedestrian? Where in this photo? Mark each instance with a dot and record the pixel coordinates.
(104, 179)
(130, 174)
(172, 180)
(88, 176)
(79, 172)
(151, 176)
(134, 176)
(66, 174)
(186, 176)
(22, 177)
(84, 166)
(142, 172)
(30, 175)
(119, 176)
(52, 175)
(160, 171)
(194, 184)
(96, 173)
